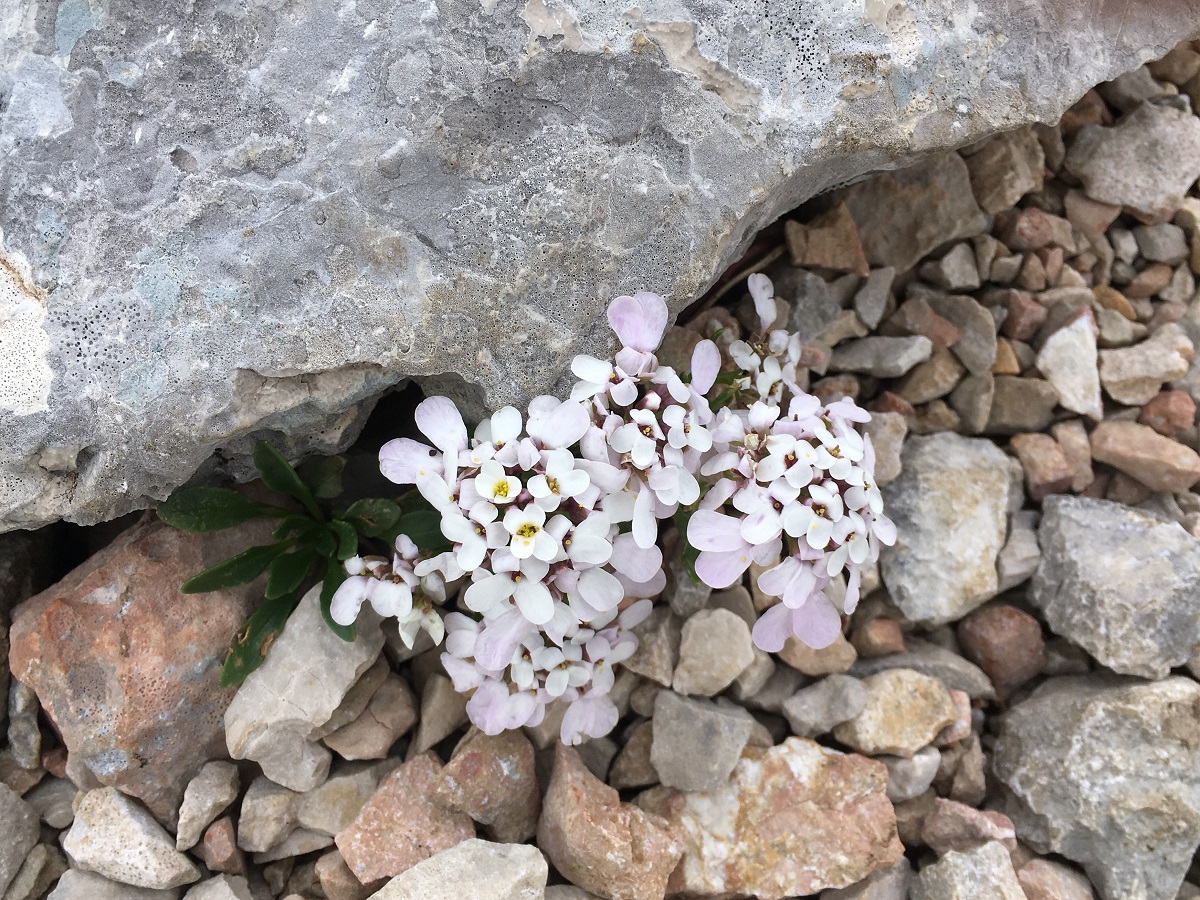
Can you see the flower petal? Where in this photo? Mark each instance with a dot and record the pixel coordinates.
(711, 530)
(763, 294)
(600, 589)
(405, 460)
(706, 365)
(817, 622)
(590, 369)
(441, 422)
(636, 563)
(772, 629)
(534, 601)
(721, 569)
(487, 592)
(639, 321)
(563, 427)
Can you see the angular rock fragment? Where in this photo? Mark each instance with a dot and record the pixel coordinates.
(1145, 163)
(403, 823)
(985, 873)
(696, 743)
(213, 789)
(476, 869)
(599, 843)
(903, 712)
(793, 820)
(1103, 770)
(1158, 462)
(1120, 583)
(304, 678)
(114, 837)
(714, 649)
(950, 505)
(883, 357)
(492, 779)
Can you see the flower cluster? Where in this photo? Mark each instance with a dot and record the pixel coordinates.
(553, 516)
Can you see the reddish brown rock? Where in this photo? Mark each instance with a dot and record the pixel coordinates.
(1072, 437)
(218, 848)
(878, 637)
(1006, 359)
(836, 658)
(338, 882)
(1026, 229)
(1025, 317)
(127, 666)
(958, 827)
(1169, 413)
(792, 820)
(599, 843)
(890, 402)
(1149, 281)
(916, 316)
(1006, 643)
(403, 823)
(1090, 216)
(1142, 453)
(1090, 109)
(492, 779)
(829, 241)
(1045, 466)
(1044, 879)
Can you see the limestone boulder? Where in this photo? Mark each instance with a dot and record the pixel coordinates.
(222, 221)
(127, 667)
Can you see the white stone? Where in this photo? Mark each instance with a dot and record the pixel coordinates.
(203, 800)
(115, 837)
(77, 884)
(223, 887)
(716, 648)
(1068, 360)
(307, 673)
(477, 869)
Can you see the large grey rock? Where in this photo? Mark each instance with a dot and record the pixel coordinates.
(985, 873)
(1105, 770)
(304, 678)
(696, 743)
(227, 220)
(77, 884)
(950, 507)
(1121, 583)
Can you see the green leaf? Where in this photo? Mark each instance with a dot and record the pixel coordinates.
(211, 509)
(288, 572)
(325, 543)
(278, 474)
(347, 538)
(300, 525)
(722, 399)
(240, 569)
(372, 517)
(250, 645)
(334, 576)
(424, 528)
(688, 554)
(323, 474)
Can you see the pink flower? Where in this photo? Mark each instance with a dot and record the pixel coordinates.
(639, 321)
(817, 623)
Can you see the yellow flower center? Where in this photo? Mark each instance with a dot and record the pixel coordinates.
(501, 489)
(552, 483)
(527, 531)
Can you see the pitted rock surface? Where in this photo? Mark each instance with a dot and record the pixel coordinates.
(222, 221)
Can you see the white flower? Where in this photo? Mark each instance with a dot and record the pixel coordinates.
(561, 480)
(495, 485)
(473, 538)
(525, 586)
(815, 522)
(639, 438)
(685, 429)
(527, 536)
(598, 377)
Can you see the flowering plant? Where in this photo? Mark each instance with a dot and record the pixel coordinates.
(548, 520)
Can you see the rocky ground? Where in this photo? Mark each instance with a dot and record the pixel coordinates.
(1013, 711)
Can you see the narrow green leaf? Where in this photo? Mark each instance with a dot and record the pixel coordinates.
(295, 524)
(211, 509)
(347, 538)
(323, 475)
(325, 543)
(688, 554)
(250, 645)
(372, 517)
(240, 569)
(278, 474)
(334, 576)
(288, 572)
(424, 528)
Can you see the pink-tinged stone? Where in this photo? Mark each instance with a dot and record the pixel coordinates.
(1025, 316)
(1006, 643)
(492, 779)
(1169, 413)
(1044, 879)
(829, 241)
(127, 666)
(610, 848)
(916, 316)
(1142, 453)
(1072, 437)
(878, 637)
(218, 848)
(403, 823)
(794, 819)
(958, 827)
(1046, 468)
